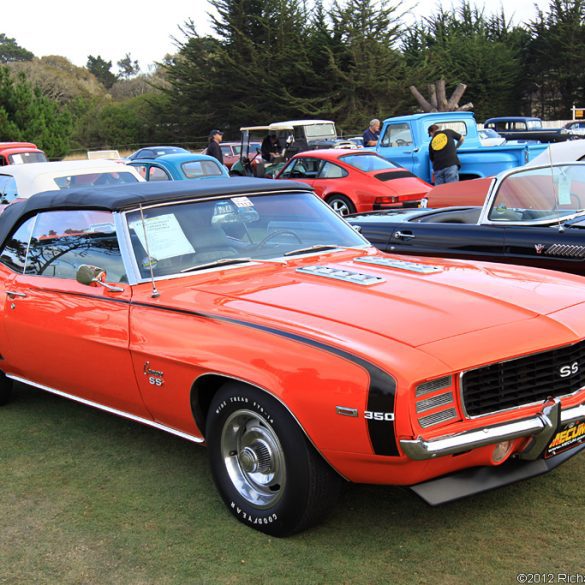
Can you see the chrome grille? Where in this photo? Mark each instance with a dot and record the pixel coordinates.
(438, 384)
(437, 417)
(565, 250)
(533, 378)
(434, 402)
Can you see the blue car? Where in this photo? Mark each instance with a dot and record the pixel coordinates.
(155, 151)
(180, 167)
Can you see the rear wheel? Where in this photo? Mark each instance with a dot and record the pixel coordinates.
(268, 474)
(5, 389)
(341, 204)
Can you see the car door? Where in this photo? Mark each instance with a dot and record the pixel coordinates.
(398, 137)
(329, 177)
(448, 240)
(62, 334)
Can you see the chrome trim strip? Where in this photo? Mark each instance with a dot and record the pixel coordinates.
(346, 411)
(123, 234)
(32, 231)
(400, 264)
(115, 411)
(420, 449)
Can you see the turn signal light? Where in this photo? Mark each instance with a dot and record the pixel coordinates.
(501, 451)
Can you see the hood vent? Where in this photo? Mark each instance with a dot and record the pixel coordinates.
(340, 274)
(400, 264)
(391, 175)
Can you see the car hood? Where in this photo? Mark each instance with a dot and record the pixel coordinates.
(415, 308)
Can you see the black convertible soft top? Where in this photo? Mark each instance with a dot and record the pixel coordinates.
(128, 196)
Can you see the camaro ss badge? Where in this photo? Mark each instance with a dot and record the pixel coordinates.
(570, 370)
(539, 248)
(155, 377)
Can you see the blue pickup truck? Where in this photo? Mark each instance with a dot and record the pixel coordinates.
(404, 140)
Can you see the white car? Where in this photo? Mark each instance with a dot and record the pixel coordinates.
(23, 181)
(558, 152)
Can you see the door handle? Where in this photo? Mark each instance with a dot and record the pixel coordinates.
(12, 294)
(404, 235)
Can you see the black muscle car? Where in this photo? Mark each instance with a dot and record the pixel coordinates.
(532, 215)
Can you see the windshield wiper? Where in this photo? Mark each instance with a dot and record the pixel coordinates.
(220, 262)
(315, 248)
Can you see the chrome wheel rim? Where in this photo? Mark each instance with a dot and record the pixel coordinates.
(339, 206)
(253, 458)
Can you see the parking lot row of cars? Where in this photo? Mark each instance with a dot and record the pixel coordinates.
(248, 315)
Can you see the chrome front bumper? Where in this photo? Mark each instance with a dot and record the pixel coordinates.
(541, 428)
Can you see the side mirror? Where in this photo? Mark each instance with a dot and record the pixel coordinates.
(94, 276)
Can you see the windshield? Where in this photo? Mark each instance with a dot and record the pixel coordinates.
(182, 236)
(540, 195)
(368, 162)
(320, 131)
(27, 157)
(111, 178)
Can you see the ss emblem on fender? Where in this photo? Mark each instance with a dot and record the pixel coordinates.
(570, 370)
(155, 377)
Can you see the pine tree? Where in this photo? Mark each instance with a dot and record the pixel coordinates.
(26, 114)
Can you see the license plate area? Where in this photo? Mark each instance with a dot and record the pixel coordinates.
(567, 436)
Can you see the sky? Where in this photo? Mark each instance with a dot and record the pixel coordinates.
(112, 28)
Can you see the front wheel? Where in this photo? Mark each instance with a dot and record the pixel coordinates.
(267, 473)
(341, 204)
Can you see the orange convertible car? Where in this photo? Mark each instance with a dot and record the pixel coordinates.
(247, 315)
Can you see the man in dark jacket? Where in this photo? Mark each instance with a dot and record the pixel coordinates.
(443, 154)
(213, 149)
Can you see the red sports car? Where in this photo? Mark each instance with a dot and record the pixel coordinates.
(350, 180)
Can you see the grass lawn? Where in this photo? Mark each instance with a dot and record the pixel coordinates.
(89, 498)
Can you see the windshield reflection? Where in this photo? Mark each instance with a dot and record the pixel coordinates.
(171, 239)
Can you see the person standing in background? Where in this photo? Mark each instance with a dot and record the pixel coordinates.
(213, 149)
(372, 134)
(443, 154)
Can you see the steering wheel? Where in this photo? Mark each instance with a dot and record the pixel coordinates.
(400, 142)
(278, 233)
